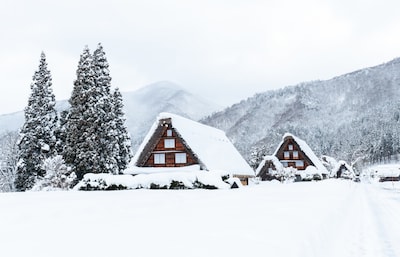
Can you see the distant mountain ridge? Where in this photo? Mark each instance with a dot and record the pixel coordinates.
(141, 108)
(350, 116)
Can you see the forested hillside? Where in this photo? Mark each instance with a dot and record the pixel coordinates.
(351, 117)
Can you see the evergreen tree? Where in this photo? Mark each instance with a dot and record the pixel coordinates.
(60, 132)
(104, 117)
(80, 146)
(37, 136)
(123, 138)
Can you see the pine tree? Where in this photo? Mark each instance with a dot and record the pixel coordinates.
(80, 146)
(37, 136)
(124, 154)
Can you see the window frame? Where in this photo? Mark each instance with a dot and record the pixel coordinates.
(286, 154)
(169, 132)
(159, 158)
(179, 158)
(299, 162)
(170, 144)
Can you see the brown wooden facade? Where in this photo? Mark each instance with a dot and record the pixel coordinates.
(341, 170)
(265, 173)
(166, 145)
(291, 155)
(243, 179)
(166, 148)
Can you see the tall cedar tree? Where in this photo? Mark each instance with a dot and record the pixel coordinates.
(123, 138)
(37, 136)
(104, 117)
(92, 135)
(80, 146)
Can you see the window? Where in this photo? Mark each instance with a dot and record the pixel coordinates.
(295, 154)
(285, 164)
(159, 158)
(169, 143)
(299, 164)
(290, 147)
(286, 155)
(180, 158)
(169, 133)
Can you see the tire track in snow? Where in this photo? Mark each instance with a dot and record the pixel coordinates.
(385, 213)
(366, 224)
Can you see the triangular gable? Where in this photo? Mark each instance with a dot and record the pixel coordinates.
(339, 166)
(304, 152)
(209, 147)
(269, 162)
(157, 145)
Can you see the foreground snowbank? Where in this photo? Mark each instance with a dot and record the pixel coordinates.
(165, 180)
(329, 218)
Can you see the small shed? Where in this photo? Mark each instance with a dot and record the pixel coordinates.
(174, 141)
(270, 168)
(343, 170)
(386, 172)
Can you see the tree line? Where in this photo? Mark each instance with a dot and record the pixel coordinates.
(56, 150)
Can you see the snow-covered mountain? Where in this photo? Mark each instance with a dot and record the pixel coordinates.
(350, 116)
(141, 108)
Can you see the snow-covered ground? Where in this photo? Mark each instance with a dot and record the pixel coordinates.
(327, 218)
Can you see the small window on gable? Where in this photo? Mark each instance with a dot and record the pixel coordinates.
(180, 158)
(169, 143)
(286, 155)
(295, 154)
(169, 133)
(290, 147)
(159, 158)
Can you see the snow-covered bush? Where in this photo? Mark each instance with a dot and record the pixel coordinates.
(58, 176)
(172, 180)
(310, 173)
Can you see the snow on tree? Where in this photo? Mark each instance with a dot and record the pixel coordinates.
(60, 132)
(95, 135)
(57, 175)
(104, 117)
(8, 161)
(124, 154)
(256, 156)
(37, 136)
(80, 146)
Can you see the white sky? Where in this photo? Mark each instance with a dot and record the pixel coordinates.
(224, 50)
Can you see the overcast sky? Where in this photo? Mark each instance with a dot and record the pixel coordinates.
(223, 50)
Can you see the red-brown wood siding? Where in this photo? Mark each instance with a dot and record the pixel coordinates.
(170, 152)
(291, 160)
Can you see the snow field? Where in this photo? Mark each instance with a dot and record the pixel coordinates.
(327, 218)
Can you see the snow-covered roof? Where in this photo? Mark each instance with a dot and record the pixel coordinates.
(211, 145)
(306, 150)
(388, 170)
(278, 165)
(339, 164)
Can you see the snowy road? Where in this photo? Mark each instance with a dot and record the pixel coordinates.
(369, 225)
(328, 218)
